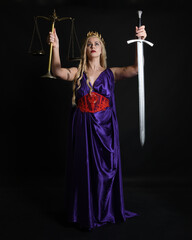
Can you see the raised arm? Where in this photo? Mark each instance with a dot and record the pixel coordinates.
(132, 70)
(63, 73)
(124, 72)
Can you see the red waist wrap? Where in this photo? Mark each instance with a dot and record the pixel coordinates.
(93, 102)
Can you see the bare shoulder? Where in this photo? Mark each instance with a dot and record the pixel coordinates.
(115, 72)
(73, 72)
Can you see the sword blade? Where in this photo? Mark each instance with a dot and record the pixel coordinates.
(141, 89)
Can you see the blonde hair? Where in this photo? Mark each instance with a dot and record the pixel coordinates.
(84, 64)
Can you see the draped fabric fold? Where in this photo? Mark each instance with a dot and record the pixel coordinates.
(94, 180)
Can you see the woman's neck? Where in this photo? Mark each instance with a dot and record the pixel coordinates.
(94, 64)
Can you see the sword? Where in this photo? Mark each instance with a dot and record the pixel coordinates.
(141, 87)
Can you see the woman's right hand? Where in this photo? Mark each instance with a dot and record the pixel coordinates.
(53, 38)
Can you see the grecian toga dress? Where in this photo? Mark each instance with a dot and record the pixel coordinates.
(95, 188)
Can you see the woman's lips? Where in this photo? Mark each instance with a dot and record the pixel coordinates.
(93, 51)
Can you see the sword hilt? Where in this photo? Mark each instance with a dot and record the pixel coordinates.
(139, 39)
(139, 16)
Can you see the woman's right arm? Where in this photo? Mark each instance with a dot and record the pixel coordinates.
(63, 73)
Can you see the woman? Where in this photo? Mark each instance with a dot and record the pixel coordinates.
(94, 187)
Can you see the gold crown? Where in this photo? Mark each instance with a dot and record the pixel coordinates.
(95, 34)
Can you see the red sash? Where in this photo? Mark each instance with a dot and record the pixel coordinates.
(93, 102)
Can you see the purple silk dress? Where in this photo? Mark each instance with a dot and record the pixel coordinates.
(95, 188)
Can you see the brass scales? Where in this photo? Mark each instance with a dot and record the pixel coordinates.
(73, 39)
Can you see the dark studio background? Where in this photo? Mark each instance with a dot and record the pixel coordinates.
(35, 112)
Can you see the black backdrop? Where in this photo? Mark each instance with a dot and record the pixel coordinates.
(35, 112)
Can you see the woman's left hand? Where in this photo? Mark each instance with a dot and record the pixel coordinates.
(140, 32)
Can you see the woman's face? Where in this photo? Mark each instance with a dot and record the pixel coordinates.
(93, 47)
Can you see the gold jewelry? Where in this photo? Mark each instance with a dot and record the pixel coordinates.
(95, 34)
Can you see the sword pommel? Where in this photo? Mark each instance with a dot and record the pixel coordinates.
(139, 13)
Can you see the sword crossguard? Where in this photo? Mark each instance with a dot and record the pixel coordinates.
(141, 41)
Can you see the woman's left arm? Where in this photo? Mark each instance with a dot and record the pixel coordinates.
(132, 70)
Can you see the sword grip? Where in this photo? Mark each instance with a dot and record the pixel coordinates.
(139, 18)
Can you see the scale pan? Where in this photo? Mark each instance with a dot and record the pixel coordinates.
(39, 53)
(48, 75)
